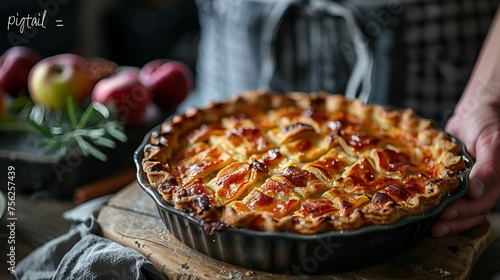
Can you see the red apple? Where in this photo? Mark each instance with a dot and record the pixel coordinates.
(169, 81)
(123, 89)
(4, 108)
(53, 79)
(15, 66)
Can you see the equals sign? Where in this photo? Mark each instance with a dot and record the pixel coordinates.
(59, 23)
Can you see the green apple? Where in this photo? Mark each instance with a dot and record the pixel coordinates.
(53, 79)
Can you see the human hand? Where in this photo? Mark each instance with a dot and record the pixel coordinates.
(478, 127)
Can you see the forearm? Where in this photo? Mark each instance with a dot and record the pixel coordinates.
(484, 84)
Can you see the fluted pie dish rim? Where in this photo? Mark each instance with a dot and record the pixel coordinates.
(207, 237)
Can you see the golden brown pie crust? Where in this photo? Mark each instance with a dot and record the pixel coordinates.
(301, 162)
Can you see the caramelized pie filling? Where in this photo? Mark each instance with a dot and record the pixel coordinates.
(305, 163)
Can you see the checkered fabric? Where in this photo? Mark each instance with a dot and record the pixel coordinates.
(416, 54)
(437, 50)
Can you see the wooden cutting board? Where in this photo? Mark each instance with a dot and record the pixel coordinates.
(131, 219)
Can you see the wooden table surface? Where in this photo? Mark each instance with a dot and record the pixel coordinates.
(131, 219)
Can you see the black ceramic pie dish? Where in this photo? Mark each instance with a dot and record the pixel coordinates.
(292, 253)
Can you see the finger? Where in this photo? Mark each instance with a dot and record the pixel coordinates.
(476, 188)
(455, 125)
(441, 227)
(486, 168)
(466, 208)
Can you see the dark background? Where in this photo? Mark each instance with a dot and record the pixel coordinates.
(128, 32)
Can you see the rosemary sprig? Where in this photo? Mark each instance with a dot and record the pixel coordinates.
(58, 132)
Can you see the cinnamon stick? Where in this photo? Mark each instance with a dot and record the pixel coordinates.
(105, 186)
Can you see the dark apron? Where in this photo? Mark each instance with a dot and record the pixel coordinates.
(416, 54)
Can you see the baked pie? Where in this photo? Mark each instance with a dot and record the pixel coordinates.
(300, 162)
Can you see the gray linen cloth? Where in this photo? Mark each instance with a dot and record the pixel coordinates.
(83, 254)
